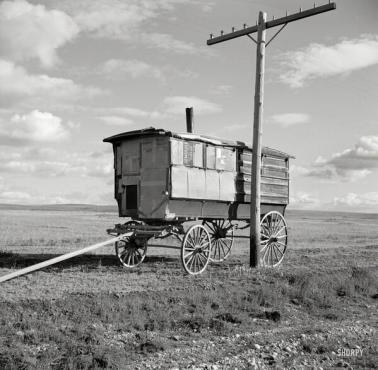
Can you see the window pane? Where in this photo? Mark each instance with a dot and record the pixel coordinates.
(225, 159)
(198, 155)
(188, 153)
(210, 157)
(177, 151)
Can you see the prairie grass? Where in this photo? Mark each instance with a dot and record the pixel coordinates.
(87, 330)
(87, 313)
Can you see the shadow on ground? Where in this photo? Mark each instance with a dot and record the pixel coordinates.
(18, 261)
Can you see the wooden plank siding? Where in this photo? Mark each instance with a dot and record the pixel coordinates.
(274, 179)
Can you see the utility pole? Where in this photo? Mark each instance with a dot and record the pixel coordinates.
(254, 229)
(261, 28)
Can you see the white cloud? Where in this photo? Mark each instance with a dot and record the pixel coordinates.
(166, 42)
(358, 201)
(297, 171)
(48, 162)
(130, 20)
(177, 105)
(222, 89)
(303, 200)
(31, 31)
(116, 19)
(289, 119)
(45, 168)
(29, 153)
(129, 111)
(8, 196)
(111, 18)
(168, 108)
(11, 195)
(319, 60)
(351, 164)
(101, 170)
(35, 126)
(15, 197)
(99, 197)
(15, 81)
(234, 127)
(40, 164)
(333, 173)
(116, 121)
(120, 68)
(134, 68)
(363, 155)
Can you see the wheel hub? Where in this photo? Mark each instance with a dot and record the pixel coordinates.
(220, 234)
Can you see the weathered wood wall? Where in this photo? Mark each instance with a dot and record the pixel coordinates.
(142, 176)
(274, 178)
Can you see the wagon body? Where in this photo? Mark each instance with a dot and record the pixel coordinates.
(166, 176)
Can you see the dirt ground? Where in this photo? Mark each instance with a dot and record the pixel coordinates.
(319, 309)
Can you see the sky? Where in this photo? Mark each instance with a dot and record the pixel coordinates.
(74, 72)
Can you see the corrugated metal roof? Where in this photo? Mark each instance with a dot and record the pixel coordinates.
(151, 131)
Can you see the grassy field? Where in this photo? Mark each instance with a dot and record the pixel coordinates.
(319, 309)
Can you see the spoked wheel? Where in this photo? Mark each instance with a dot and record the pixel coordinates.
(273, 239)
(222, 238)
(196, 249)
(131, 251)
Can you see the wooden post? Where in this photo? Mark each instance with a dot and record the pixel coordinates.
(254, 241)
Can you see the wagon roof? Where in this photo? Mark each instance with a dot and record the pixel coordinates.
(151, 131)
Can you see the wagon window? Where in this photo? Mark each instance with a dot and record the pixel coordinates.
(210, 157)
(177, 149)
(188, 153)
(225, 159)
(193, 154)
(198, 155)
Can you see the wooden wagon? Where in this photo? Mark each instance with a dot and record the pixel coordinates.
(164, 179)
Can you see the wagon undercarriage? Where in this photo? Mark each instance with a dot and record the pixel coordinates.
(200, 243)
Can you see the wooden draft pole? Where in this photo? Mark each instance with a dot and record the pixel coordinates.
(61, 258)
(261, 28)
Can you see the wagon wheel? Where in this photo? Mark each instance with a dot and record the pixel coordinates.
(222, 238)
(196, 249)
(273, 239)
(130, 250)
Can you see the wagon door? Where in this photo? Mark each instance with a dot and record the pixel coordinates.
(154, 177)
(127, 166)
